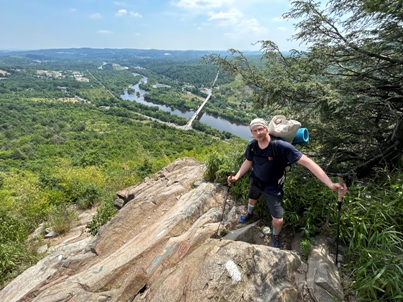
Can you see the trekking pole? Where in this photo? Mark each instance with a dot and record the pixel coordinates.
(223, 207)
(340, 200)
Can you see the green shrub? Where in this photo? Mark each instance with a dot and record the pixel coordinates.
(15, 253)
(217, 167)
(15, 257)
(61, 219)
(82, 186)
(308, 202)
(104, 213)
(220, 163)
(90, 195)
(306, 248)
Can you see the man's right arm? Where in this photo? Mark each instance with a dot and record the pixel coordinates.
(246, 165)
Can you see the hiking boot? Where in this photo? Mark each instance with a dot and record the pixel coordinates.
(245, 217)
(276, 241)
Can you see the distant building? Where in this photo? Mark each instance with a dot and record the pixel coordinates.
(4, 73)
(161, 86)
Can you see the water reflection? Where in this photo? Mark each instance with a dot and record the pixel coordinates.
(224, 125)
(214, 122)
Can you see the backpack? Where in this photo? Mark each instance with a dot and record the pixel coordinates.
(288, 130)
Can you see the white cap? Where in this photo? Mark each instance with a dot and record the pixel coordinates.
(258, 122)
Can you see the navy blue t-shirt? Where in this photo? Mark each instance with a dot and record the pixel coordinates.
(268, 169)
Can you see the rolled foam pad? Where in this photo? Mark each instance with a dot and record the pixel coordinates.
(301, 137)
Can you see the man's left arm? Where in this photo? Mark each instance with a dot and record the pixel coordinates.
(320, 174)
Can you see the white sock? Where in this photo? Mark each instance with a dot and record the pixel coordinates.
(250, 208)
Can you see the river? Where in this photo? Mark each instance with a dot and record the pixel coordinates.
(214, 122)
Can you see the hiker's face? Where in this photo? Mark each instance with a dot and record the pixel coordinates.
(259, 132)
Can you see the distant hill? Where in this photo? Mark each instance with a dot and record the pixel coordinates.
(107, 53)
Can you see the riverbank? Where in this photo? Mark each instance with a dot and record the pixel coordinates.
(209, 120)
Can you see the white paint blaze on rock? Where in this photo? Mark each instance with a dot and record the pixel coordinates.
(233, 271)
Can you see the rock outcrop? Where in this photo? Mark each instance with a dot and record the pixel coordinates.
(162, 246)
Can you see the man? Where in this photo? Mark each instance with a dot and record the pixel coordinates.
(267, 174)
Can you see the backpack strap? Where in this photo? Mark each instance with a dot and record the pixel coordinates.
(253, 144)
(273, 141)
(275, 147)
(286, 164)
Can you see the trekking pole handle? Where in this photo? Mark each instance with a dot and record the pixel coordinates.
(232, 173)
(340, 195)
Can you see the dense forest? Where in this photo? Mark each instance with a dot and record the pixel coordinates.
(68, 139)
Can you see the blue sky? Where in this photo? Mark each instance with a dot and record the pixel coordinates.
(144, 24)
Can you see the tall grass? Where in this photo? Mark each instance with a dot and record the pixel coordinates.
(373, 231)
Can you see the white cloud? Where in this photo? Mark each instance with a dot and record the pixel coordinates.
(135, 14)
(240, 21)
(121, 12)
(104, 32)
(224, 19)
(250, 26)
(95, 16)
(201, 4)
(235, 20)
